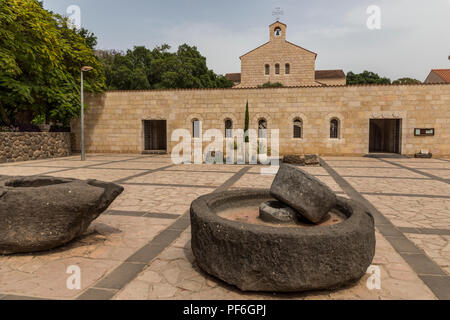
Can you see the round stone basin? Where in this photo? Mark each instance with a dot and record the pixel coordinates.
(231, 243)
(250, 214)
(43, 213)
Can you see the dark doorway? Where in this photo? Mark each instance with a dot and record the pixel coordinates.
(155, 136)
(385, 135)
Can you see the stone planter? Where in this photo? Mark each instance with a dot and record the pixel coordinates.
(42, 213)
(284, 259)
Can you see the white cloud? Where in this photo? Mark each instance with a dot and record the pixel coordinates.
(413, 39)
(221, 46)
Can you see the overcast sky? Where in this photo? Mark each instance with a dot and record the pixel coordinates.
(414, 36)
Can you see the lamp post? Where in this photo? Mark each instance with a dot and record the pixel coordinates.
(83, 69)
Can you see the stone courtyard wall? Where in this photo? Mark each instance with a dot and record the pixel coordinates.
(23, 146)
(114, 120)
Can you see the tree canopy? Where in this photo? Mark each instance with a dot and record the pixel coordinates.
(40, 61)
(406, 81)
(271, 85)
(366, 77)
(142, 68)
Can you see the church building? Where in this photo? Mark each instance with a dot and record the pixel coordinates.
(280, 61)
(315, 112)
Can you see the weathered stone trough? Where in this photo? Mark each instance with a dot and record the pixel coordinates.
(41, 213)
(280, 258)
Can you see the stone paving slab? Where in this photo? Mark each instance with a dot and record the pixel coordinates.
(254, 181)
(137, 165)
(62, 163)
(413, 212)
(426, 165)
(378, 172)
(435, 246)
(313, 170)
(426, 268)
(212, 179)
(129, 252)
(444, 174)
(344, 159)
(418, 160)
(360, 164)
(23, 171)
(108, 242)
(387, 185)
(48, 279)
(174, 275)
(209, 167)
(96, 173)
(152, 159)
(111, 157)
(158, 199)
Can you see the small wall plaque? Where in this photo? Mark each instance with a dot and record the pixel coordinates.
(423, 132)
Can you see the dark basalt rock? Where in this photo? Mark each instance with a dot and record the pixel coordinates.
(284, 259)
(294, 159)
(41, 213)
(423, 155)
(303, 192)
(312, 160)
(276, 212)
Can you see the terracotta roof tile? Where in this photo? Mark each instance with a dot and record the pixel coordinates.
(287, 88)
(329, 74)
(443, 73)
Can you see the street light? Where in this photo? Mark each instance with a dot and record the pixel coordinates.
(83, 69)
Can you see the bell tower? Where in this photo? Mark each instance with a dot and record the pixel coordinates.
(277, 31)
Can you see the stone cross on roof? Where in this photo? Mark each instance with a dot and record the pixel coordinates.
(277, 13)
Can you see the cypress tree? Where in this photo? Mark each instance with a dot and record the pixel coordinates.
(247, 121)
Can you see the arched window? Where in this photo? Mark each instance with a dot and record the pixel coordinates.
(287, 68)
(334, 129)
(196, 128)
(277, 69)
(267, 69)
(298, 126)
(262, 128)
(228, 128)
(278, 32)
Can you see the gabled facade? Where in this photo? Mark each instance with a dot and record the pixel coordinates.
(278, 61)
(438, 76)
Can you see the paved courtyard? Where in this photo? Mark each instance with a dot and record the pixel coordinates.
(140, 248)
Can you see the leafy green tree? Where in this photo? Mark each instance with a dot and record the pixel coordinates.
(366, 77)
(89, 37)
(272, 85)
(407, 81)
(159, 68)
(40, 62)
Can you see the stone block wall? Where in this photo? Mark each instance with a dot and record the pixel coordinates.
(333, 82)
(114, 120)
(23, 146)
